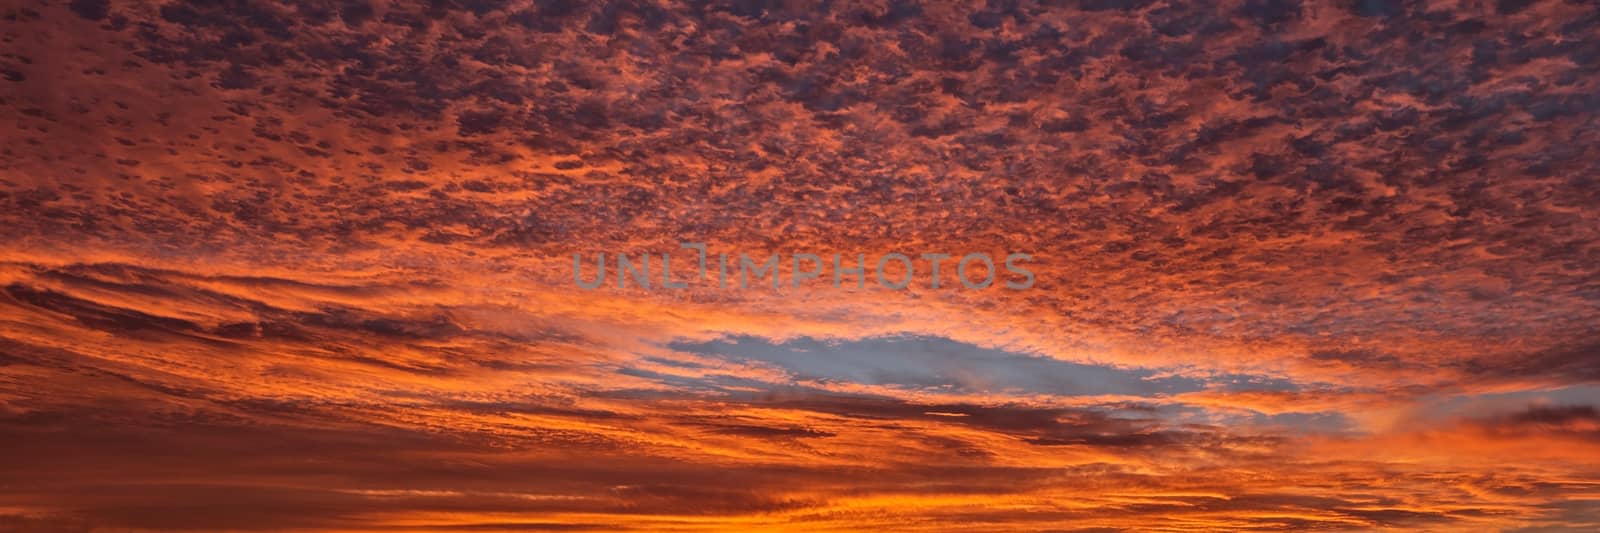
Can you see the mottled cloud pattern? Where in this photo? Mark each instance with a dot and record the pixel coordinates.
(278, 265)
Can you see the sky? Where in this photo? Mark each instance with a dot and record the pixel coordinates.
(308, 265)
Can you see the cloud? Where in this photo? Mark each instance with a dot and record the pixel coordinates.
(1300, 265)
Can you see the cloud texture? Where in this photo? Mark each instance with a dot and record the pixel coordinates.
(307, 265)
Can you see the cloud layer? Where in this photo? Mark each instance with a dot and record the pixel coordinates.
(307, 266)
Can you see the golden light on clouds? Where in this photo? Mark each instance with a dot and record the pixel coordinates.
(308, 266)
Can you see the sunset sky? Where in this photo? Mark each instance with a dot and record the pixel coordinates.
(308, 265)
